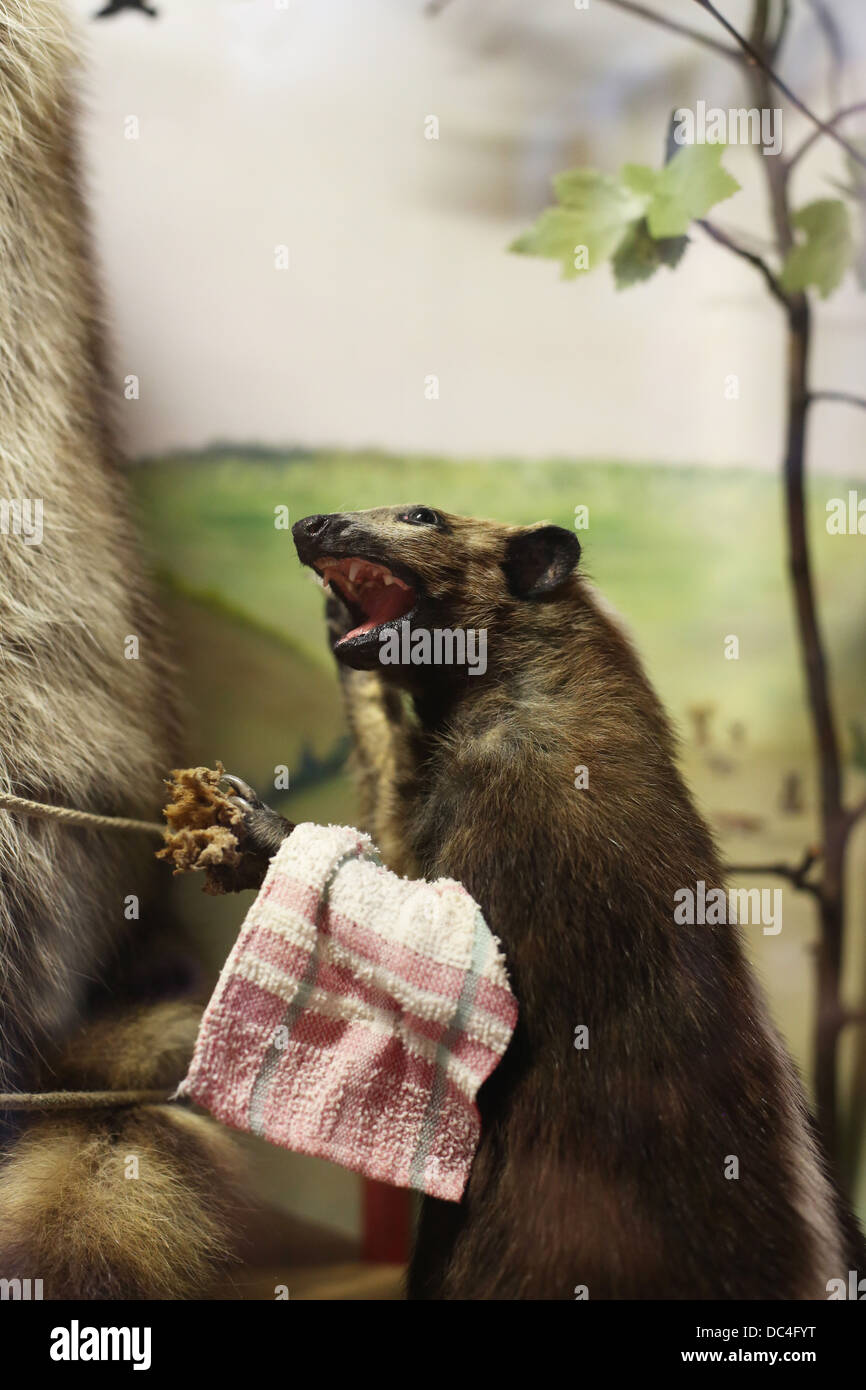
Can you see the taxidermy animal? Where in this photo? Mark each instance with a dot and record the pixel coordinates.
(83, 723)
(605, 1168)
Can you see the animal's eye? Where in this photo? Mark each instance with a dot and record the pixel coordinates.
(421, 516)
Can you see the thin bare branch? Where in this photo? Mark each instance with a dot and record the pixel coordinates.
(757, 59)
(815, 135)
(782, 30)
(758, 262)
(846, 397)
(794, 873)
(434, 7)
(832, 35)
(673, 26)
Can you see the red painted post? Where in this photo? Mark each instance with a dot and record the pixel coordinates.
(385, 1222)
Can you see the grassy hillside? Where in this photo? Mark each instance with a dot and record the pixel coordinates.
(688, 556)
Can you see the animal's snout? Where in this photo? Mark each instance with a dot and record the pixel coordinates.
(313, 534)
(310, 526)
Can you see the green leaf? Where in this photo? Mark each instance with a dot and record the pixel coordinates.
(641, 179)
(639, 219)
(686, 188)
(640, 255)
(596, 212)
(826, 252)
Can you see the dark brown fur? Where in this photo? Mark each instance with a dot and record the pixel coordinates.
(605, 1167)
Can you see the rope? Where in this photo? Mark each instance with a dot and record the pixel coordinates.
(79, 1100)
(23, 807)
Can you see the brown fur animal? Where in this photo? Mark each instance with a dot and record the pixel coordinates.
(605, 1167)
(82, 726)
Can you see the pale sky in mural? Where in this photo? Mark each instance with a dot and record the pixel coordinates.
(304, 125)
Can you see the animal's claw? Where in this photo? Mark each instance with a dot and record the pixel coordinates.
(245, 798)
(265, 828)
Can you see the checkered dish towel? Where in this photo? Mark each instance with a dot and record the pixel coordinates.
(357, 1016)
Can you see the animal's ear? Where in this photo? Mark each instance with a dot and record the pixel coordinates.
(539, 560)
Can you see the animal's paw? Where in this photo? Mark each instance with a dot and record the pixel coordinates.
(266, 829)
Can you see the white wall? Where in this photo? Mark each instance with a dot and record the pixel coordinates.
(304, 125)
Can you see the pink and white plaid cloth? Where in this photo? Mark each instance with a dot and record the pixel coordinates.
(357, 1016)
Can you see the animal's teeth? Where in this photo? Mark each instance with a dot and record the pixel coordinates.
(353, 569)
(329, 574)
(387, 579)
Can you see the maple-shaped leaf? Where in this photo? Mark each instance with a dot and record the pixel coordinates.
(639, 255)
(686, 188)
(826, 251)
(594, 214)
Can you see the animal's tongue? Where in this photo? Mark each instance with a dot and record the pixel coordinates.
(382, 603)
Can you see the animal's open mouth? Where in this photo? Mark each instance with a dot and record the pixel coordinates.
(371, 592)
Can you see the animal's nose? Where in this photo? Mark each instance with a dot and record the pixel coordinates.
(310, 526)
(318, 529)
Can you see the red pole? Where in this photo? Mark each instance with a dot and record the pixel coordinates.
(385, 1222)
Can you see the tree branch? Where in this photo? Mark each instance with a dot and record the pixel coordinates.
(815, 135)
(435, 7)
(754, 260)
(782, 30)
(794, 873)
(673, 26)
(846, 397)
(832, 35)
(757, 59)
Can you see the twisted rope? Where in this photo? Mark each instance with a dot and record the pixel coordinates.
(79, 1100)
(23, 807)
